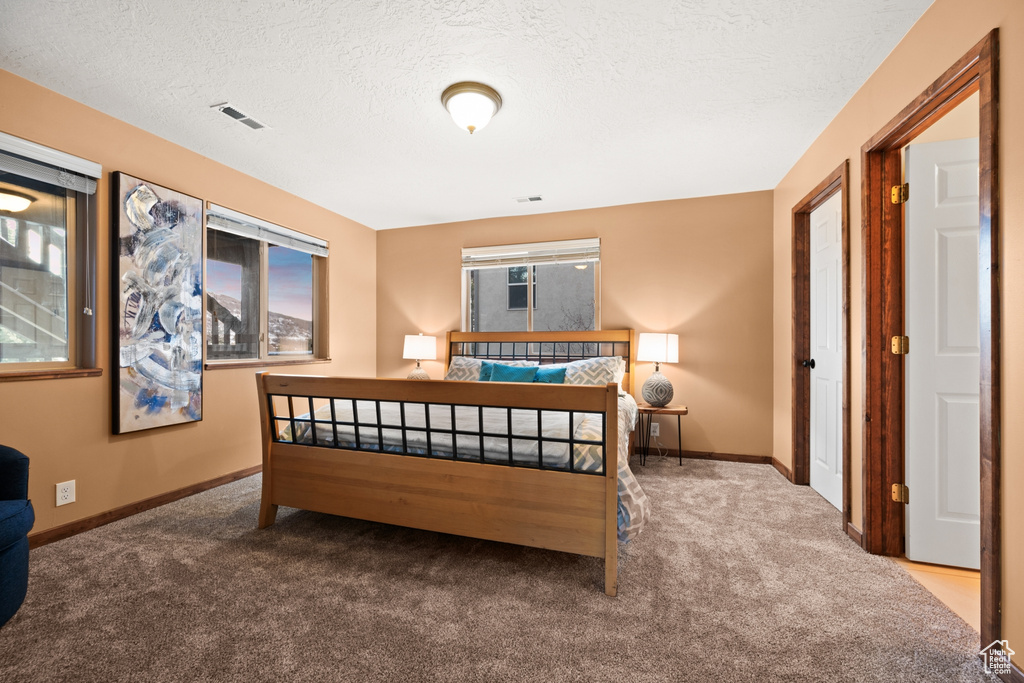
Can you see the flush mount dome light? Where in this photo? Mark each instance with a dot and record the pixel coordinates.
(14, 201)
(471, 104)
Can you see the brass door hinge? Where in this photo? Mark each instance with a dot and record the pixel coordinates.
(900, 493)
(900, 345)
(900, 193)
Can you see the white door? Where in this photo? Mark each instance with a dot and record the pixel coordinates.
(827, 350)
(943, 367)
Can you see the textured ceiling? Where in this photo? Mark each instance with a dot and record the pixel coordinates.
(605, 102)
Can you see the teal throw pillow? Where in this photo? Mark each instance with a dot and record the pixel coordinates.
(508, 373)
(485, 370)
(486, 367)
(550, 375)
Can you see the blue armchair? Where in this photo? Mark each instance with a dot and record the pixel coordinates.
(16, 519)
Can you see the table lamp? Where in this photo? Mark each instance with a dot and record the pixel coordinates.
(659, 348)
(419, 347)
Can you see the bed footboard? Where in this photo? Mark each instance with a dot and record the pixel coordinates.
(569, 511)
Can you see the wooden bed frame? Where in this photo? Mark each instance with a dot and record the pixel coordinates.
(558, 510)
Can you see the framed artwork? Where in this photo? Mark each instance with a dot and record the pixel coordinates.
(157, 306)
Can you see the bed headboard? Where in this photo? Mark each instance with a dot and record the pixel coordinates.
(546, 347)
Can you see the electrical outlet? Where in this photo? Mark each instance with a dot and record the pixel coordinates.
(655, 429)
(66, 492)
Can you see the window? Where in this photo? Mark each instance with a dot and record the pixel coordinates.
(264, 301)
(518, 288)
(47, 248)
(290, 281)
(232, 296)
(560, 279)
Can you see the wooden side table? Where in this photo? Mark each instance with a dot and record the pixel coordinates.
(647, 413)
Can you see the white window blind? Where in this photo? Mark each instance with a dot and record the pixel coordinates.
(533, 253)
(226, 220)
(35, 161)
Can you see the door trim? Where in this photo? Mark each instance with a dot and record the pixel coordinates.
(882, 232)
(837, 181)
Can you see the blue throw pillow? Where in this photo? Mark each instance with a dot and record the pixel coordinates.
(487, 366)
(508, 373)
(550, 375)
(485, 369)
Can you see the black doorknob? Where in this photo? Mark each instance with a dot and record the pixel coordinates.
(808, 364)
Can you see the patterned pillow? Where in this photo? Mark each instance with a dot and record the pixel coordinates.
(464, 369)
(593, 370)
(467, 369)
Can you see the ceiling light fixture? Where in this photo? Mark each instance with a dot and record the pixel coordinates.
(14, 201)
(471, 104)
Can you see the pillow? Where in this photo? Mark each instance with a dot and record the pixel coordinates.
(593, 370)
(620, 375)
(550, 375)
(464, 368)
(467, 368)
(511, 373)
(487, 366)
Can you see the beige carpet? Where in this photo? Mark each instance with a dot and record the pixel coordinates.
(740, 576)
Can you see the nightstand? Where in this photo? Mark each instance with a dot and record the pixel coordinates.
(647, 413)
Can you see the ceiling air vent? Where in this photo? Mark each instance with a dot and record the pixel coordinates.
(531, 198)
(239, 116)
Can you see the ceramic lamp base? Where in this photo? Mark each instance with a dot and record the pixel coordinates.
(419, 373)
(657, 390)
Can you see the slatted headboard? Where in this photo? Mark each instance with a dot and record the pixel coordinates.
(546, 347)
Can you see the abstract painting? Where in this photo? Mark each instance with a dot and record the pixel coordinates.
(158, 306)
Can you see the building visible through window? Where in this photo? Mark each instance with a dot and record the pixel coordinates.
(47, 258)
(232, 296)
(33, 279)
(518, 288)
(560, 279)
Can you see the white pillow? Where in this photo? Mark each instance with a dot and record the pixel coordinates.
(620, 374)
(467, 368)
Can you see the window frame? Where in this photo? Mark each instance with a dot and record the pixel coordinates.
(77, 176)
(268, 234)
(474, 259)
(530, 284)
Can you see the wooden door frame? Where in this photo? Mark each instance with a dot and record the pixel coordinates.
(882, 235)
(837, 181)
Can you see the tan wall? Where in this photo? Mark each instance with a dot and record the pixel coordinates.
(962, 122)
(64, 425)
(946, 31)
(698, 267)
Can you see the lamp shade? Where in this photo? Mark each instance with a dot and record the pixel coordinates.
(658, 347)
(420, 347)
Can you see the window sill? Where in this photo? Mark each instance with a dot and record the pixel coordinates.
(234, 364)
(28, 375)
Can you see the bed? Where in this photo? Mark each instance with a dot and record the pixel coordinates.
(530, 463)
